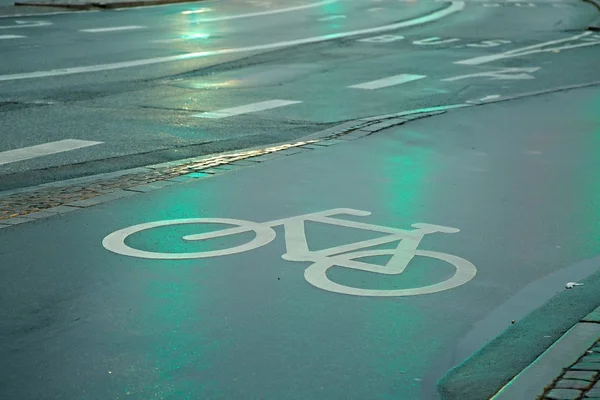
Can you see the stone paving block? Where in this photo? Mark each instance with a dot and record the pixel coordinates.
(328, 142)
(290, 151)
(198, 175)
(382, 125)
(593, 393)
(117, 194)
(61, 209)
(594, 316)
(581, 375)
(16, 220)
(594, 357)
(355, 135)
(150, 186)
(41, 214)
(267, 157)
(586, 367)
(244, 163)
(563, 394)
(572, 384)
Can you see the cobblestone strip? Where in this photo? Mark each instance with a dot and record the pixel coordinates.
(45, 200)
(582, 379)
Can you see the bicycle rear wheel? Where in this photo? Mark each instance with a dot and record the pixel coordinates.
(115, 242)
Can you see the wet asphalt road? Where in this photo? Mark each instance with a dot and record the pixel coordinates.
(82, 322)
(147, 112)
(518, 178)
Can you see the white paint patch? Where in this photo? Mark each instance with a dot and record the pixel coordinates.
(270, 12)
(26, 24)
(454, 7)
(45, 149)
(538, 48)
(248, 108)
(3, 37)
(500, 74)
(350, 256)
(382, 39)
(375, 9)
(112, 29)
(332, 17)
(389, 81)
(434, 41)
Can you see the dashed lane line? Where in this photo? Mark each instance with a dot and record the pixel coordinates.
(246, 109)
(389, 81)
(4, 37)
(27, 153)
(455, 6)
(112, 29)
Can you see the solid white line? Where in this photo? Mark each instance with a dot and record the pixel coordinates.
(454, 7)
(248, 108)
(261, 13)
(26, 153)
(112, 29)
(2, 37)
(390, 81)
(537, 48)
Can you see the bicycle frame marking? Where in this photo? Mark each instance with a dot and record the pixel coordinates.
(297, 249)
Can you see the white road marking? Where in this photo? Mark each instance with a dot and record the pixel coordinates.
(500, 74)
(112, 29)
(538, 48)
(434, 40)
(389, 81)
(351, 256)
(454, 7)
(270, 12)
(485, 99)
(2, 37)
(26, 153)
(382, 39)
(26, 24)
(376, 9)
(248, 108)
(332, 17)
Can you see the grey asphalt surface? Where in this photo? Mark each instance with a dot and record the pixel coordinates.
(144, 114)
(80, 322)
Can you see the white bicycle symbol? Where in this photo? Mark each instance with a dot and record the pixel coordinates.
(297, 249)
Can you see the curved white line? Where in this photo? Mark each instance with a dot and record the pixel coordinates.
(454, 7)
(270, 12)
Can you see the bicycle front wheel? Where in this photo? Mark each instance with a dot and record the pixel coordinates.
(316, 274)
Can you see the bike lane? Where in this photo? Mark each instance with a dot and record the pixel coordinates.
(79, 321)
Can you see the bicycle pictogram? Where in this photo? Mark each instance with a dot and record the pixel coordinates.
(297, 249)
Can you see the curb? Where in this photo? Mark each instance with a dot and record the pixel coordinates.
(103, 5)
(503, 369)
(28, 204)
(532, 382)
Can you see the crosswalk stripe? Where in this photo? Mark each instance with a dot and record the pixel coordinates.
(248, 108)
(389, 81)
(11, 37)
(112, 29)
(26, 153)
